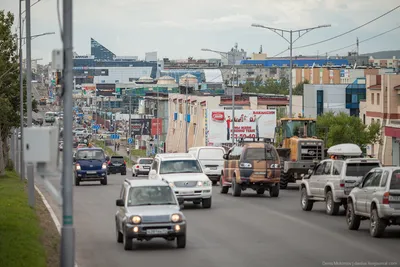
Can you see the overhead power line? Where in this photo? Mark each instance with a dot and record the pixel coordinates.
(365, 40)
(347, 32)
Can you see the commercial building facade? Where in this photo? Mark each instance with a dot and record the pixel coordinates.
(382, 105)
(198, 107)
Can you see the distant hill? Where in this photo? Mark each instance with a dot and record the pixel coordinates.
(384, 54)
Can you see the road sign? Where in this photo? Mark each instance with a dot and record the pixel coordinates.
(130, 140)
(115, 136)
(95, 126)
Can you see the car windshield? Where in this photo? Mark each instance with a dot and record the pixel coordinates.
(260, 154)
(395, 181)
(180, 166)
(360, 168)
(90, 154)
(151, 195)
(145, 161)
(211, 154)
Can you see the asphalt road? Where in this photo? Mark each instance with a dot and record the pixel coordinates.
(249, 231)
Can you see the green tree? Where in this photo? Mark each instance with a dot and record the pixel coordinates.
(9, 84)
(299, 89)
(343, 128)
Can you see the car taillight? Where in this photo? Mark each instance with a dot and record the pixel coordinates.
(137, 166)
(109, 163)
(342, 183)
(385, 199)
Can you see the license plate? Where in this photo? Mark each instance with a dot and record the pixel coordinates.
(259, 173)
(91, 172)
(394, 198)
(187, 193)
(157, 231)
(146, 167)
(213, 168)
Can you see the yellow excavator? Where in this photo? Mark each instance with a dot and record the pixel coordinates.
(300, 149)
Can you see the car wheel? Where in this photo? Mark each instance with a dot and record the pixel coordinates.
(104, 181)
(119, 235)
(77, 181)
(214, 182)
(123, 173)
(224, 189)
(274, 191)
(237, 190)
(353, 220)
(332, 208)
(128, 242)
(206, 203)
(181, 241)
(377, 225)
(306, 204)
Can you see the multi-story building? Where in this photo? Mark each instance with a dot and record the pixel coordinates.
(198, 106)
(382, 105)
(393, 63)
(298, 62)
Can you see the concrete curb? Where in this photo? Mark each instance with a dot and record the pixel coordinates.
(52, 213)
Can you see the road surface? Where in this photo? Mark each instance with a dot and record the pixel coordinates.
(252, 231)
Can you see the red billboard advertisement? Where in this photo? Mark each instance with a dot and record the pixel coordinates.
(156, 124)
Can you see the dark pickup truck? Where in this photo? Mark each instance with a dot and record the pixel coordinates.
(116, 164)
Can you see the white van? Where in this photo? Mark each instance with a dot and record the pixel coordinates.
(210, 157)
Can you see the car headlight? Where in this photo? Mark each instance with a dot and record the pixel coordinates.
(245, 165)
(136, 219)
(176, 218)
(78, 167)
(204, 183)
(104, 166)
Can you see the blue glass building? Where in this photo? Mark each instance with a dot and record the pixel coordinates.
(99, 51)
(354, 93)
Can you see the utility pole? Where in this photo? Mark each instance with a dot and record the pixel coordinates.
(186, 115)
(358, 50)
(29, 167)
(21, 165)
(281, 33)
(130, 116)
(67, 230)
(157, 119)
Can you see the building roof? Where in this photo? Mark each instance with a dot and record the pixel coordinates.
(166, 80)
(145, 79)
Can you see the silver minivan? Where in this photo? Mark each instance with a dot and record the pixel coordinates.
(211, 159)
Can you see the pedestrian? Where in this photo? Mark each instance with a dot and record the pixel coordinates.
(118, 147)
(115, 146)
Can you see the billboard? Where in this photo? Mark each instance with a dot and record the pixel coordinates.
(88, 86)
(154, 124)
(248, 124)
(105, 89)
(141, 126)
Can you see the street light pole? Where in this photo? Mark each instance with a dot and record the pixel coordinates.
(67, 230)
(130, 115)
(186, 115)
(21, 165)
(29, 167)
(301, 33)
(157, 119)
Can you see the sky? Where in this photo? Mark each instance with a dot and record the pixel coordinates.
(179, 29)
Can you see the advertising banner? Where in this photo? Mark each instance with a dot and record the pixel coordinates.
(141, 126)
(248, 124)
(105, 89)
(88, 87)
(154, 123)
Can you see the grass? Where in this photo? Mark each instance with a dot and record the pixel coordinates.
(20, 230)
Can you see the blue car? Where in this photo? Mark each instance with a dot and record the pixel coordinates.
(90, 164)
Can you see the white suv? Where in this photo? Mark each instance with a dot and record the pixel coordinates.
(185, 175)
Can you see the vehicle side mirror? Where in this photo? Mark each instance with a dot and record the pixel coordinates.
(152, 173)
(358, 184)
(119, 203)
(225, 156)
(310, 172)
